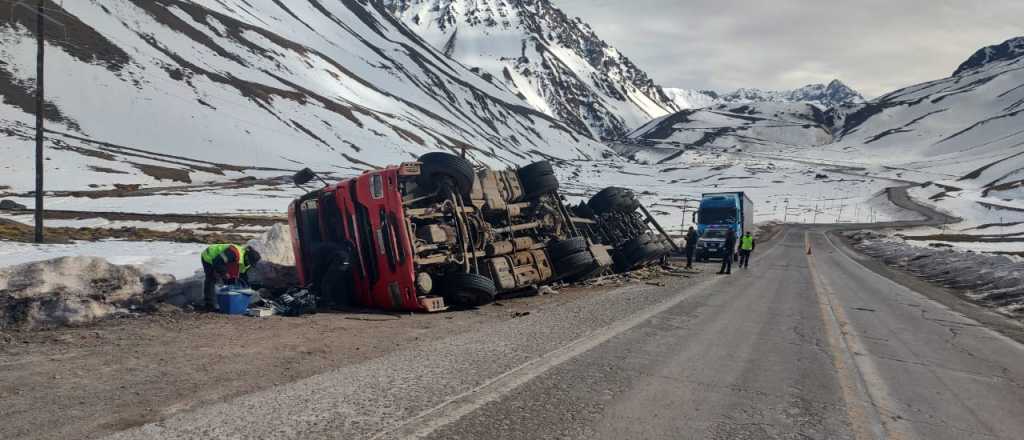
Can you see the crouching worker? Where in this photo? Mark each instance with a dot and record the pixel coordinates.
(226, 264)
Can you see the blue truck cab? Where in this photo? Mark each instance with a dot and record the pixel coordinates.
(718, 212)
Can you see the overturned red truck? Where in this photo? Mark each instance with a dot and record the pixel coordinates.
(424, 235)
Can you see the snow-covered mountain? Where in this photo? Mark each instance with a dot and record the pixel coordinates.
(686, 99)
(555, 63)
(743, 126)
(824, 96)
(140, 91)
(1008, 50)
(970, 125)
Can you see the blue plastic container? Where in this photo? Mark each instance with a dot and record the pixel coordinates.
(233, 300)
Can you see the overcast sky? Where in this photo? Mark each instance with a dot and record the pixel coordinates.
(875, 46)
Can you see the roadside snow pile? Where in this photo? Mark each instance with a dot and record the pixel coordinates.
(992, 280)
(72, 290)
(276, 269)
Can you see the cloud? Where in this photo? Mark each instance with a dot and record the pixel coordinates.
(875, 46)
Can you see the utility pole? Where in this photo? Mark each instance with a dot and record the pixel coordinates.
(40, 32)
(682, 226)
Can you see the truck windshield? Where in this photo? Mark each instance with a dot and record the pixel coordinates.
(717, 216)
(715, 233)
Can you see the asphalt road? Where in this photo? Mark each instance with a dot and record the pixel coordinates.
(798, 346)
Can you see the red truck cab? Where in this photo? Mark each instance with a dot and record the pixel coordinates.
(367, 212)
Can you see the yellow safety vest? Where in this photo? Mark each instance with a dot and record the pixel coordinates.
(214, 251)
(747, 243)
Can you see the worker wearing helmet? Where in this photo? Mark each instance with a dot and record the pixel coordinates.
(226, 264)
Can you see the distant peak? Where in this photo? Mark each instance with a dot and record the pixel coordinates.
(1005, 51)
(833, 94)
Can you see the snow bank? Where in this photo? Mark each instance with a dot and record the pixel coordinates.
(75, 289)
(72, 290)
(277, 268)
(992, 280)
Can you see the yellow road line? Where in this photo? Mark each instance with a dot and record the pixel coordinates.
(861, 409)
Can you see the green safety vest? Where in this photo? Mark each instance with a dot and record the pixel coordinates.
(214, 250)
(747, 243)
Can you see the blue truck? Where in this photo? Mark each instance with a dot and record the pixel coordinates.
(718, 212)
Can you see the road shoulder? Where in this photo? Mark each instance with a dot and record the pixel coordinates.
(1004, 325)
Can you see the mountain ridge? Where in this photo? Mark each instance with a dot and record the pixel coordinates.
(555, 63)
(966, 127)
(1007, 50)
(833, 94)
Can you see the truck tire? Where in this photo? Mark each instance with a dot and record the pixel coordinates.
(539, 186)
(468, 289)
(614, 199)
(574, 264)
(564, 248)
(536, 169)
(646, 253)
(638, 251)
(332, 274)
(437, 166)
(336, 287)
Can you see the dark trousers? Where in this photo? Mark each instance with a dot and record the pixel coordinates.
(726, 263)
(209, 285)
(689, 257)
(744, 258)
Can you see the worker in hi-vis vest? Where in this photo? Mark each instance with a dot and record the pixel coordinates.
(227, 264)
(746, 247)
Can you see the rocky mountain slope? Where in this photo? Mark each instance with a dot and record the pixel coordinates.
(1008, 50)
(824, 96)
(147, 91)
(555, 63)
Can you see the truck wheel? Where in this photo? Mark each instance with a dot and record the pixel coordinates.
(332, 274)
(574, 264)
(645, 254)
(613, 199)
(468, 289)
(540, 186)
(564, 248)
(633, 252)
(336, 286)
(538, 178)
(536, 169)
(437, 166)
